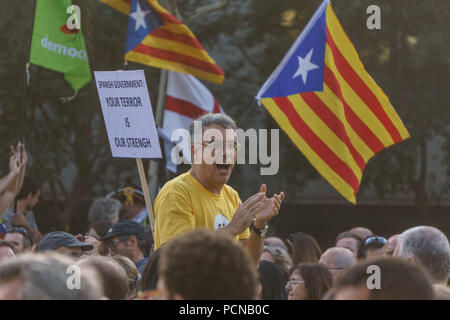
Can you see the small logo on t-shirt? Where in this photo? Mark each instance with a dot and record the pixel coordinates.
(220, 221)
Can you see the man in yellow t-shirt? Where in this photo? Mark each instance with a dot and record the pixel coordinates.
(200, 198)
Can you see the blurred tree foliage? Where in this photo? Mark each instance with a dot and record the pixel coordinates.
(409, 58)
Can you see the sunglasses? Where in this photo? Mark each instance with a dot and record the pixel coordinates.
(375, 239)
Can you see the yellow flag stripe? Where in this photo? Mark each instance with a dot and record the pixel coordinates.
(173, 66)
(325, 133)
(317, 162)
(335, 105)
(357, 105)
(177, 47)
(119, 5)
(351, 55)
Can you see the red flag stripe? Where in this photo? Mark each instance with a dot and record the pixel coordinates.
(361, 129)
(166, 16)
(361, 89)
(216, 108)
(316, 144)
(185, 39)
(180, 58)
(334, 123)
(183, 107)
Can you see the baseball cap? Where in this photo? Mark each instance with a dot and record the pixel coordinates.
(126, 228)
(58, 239)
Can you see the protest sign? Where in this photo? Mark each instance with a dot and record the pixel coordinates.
(129, 121)
(128, 114)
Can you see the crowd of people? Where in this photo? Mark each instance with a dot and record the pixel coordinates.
(206, 244)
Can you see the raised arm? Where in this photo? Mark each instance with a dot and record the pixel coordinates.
(5, 201)
(18, 167)
(14, 171)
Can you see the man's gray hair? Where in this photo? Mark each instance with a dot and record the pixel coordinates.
(104, 209)
(207, 119)
(430, 247)
(342, 257)
(45, 277)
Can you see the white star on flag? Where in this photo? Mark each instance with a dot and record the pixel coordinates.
(139, 17)
(304, 66)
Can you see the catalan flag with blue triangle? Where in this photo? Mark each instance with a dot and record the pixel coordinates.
(329, 106)
(158, 39)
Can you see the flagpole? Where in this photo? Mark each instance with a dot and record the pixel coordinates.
(153, 169)
(26, 83)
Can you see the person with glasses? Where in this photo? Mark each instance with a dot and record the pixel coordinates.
(374, 246)
(63, 242)
(309, 281)
(20, 239)
(337, 260)
(201, 198)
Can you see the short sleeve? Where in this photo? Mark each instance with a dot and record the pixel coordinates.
(173, 215)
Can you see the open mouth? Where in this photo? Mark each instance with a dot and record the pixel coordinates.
(223, 168)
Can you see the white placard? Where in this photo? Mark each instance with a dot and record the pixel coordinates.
(128, 115)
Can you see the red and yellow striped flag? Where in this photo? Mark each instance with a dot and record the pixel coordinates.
(158, 39)
(328, 104)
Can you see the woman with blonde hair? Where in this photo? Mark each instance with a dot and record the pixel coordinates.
(278, 256)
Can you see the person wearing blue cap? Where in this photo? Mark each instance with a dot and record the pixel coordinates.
(64, 243)
(127, 238)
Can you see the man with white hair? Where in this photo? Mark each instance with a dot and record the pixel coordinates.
(427, 246)
(337, 260)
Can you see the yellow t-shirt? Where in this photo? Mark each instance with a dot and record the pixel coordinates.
(184, 204)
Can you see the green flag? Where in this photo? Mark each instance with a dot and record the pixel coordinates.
(55, 47)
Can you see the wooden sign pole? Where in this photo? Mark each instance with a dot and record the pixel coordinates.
(148, 202)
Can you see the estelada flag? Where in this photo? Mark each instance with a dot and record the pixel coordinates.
(186, 100)
(329, 106)
(55, 47)
(158, 39)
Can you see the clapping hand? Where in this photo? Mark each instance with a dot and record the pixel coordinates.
(270, 208)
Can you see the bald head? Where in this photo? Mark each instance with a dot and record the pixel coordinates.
(390, 245)
(361, 232)
(337, 259)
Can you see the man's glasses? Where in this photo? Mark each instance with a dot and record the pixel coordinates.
(218, 144)
(375, 239)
